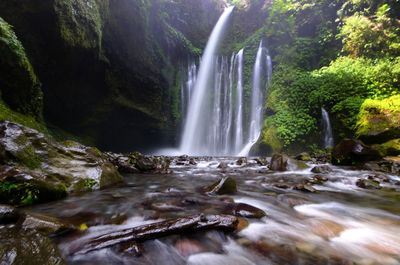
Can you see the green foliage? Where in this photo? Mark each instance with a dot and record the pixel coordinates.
(377, 36)
(296, 96)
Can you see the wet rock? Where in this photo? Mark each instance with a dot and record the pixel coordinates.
(279, 162)
(326, 228)
(137, 162)
(241, 161)
(36, 168)
(27, 247)
(282, 185)
(378, 178)
(368, 184)
(388, 164)
(43, 224)
(261, 161)
(317, 179)
(304, 187)
(321, 169)
(304, 157)
(293, 200)
(223, 165)
(243, 223)
(8, 215)
(130, 249)
(247, 211)
(349, 152)
(225, 185)
(18, 187)
(187, 247)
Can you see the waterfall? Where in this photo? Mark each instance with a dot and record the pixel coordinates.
(188, 87)
(327, 129)
(239, 103)
(260, 85)
(195, 140)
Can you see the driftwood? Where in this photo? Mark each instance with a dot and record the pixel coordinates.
(156, 230)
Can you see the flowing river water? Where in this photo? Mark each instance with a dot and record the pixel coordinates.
(339, 223)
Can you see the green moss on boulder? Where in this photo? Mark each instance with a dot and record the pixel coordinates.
(379, 120)
(390, 148)
(38, 169)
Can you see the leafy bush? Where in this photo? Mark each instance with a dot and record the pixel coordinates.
(296, 96)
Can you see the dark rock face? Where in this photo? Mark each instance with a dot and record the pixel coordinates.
(20, 87)
(348, 152)
(39, 169)
(279, 162)
(111, 62)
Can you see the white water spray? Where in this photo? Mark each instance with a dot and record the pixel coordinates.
(199, 111)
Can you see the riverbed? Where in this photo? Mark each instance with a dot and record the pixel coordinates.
(331, 221)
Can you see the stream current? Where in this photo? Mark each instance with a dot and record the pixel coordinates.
(340, 223)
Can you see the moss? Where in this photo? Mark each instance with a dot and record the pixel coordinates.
(378, 116)
(29, 158)
(19, 85)
(270, 137)
(28, 193)
(390, 148)
(84, 185)
(80, 23)
(29, 121)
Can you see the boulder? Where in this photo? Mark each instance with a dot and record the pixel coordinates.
(279, 162)
(321, 169)
(349, 152)
(139, 163)
(28, 247)
(304, 157)
(247, 211)
(225, 185)
(37, 169)
(379, 120)
(8, 214)
(368, 184)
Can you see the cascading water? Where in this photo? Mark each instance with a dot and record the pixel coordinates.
(327, 129)
(196, 138)
(213, 101)
(257, 100)
(188, 87)
(239, 103)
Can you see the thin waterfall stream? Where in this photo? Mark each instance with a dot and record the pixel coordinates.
(327, 129)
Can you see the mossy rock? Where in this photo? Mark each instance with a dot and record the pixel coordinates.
(379, 120)
(30, 192)
(390, 148)
(20, 87)
(39, 169)
(225, 185)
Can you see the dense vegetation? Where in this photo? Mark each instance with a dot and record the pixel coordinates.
(332, 54)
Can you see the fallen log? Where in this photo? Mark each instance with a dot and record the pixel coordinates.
(160, 229)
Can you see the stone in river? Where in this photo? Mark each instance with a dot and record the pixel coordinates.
(225, 185)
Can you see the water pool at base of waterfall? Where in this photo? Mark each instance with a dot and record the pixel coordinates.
(339, 223)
